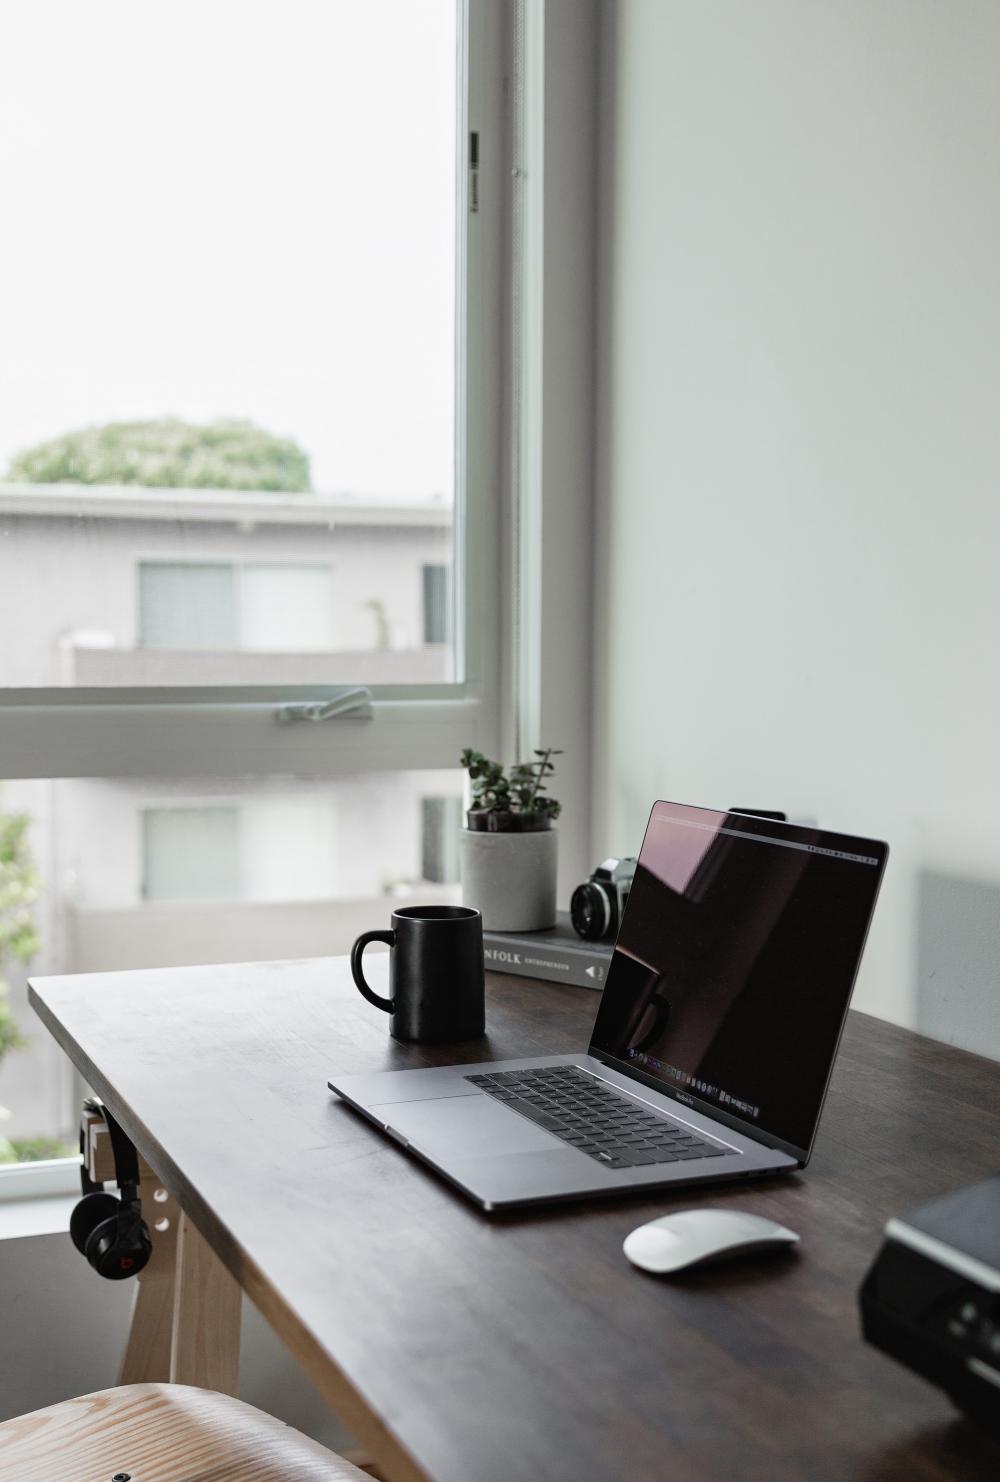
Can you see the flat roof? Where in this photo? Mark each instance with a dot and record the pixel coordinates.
(225, 506)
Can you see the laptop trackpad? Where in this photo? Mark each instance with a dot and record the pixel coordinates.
(480, 1126)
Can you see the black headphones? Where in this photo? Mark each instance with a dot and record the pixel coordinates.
(110, 1231)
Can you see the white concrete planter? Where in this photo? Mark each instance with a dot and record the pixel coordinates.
(510, 878)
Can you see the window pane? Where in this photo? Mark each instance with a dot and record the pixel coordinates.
(228, 350)
(147, 873)
(286, 608)
(442, 819)
(191, 854)
(437, 605)
(186, 605)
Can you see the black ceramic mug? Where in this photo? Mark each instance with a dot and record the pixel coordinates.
(437, 987)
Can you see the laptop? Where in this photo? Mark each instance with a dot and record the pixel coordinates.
(714, 1039)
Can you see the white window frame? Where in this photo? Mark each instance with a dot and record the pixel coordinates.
(244, 731)
(51, 1179)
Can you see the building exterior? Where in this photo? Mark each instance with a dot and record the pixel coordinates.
(151, 586)
(136, 587)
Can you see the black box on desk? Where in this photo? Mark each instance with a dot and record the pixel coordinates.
(558, 955)
(932, 1298)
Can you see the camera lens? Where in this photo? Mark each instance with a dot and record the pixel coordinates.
(590, 911)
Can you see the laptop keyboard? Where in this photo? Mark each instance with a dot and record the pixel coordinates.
(610, 1126)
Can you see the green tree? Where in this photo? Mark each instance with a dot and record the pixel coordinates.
(18, 938)
(168, 454)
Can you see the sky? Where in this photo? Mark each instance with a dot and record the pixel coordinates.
(234, 208)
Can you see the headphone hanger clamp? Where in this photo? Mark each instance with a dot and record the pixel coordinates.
(109, 1230)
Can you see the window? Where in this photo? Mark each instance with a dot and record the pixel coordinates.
(236, 432)
(191, 854)
(186, 605)
(294, 293)
(285, 607)
(441, 820)
(279, 847)
(437, 605)
(257, 606)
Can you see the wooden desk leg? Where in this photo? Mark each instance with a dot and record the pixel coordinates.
(146, 1359)
(206, 1317)
(187, 1308)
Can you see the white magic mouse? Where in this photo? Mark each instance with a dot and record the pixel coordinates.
(694, 1235)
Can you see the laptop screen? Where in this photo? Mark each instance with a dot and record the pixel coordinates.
(735, 961)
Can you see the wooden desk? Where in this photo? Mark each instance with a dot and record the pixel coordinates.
(524, 1348)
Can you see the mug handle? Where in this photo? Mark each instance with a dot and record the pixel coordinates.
(357, 973)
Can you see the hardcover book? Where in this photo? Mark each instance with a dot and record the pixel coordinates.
(558, 954)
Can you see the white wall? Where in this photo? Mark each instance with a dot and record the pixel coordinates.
(799, 450)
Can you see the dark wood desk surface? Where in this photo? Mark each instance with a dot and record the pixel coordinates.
(524, 1348)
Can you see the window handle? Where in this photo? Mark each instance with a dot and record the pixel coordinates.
(350, 704)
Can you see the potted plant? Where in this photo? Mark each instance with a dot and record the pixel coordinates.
(508, 851)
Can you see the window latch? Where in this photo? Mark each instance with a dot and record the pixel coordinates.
(350, 704)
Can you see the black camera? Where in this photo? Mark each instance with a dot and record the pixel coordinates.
(596, 906)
